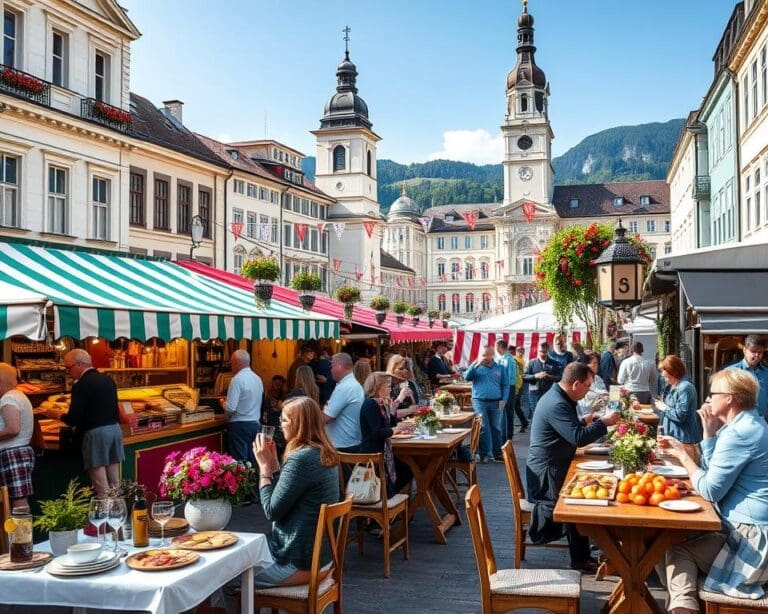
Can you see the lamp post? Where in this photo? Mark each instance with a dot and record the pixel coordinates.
(619, 273)
(196, 229)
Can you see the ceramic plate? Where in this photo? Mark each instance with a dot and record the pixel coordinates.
(453, 430)
(205, 540)
(67, 562)
(671, 471)
(647, 412)
(595, 465)
(678, 505)
(161, 559)
(57, 570)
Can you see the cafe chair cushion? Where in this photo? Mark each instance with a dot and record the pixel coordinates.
(297, 591)
(393, 501)
(537, 583)
(526, 505)
(733, 602)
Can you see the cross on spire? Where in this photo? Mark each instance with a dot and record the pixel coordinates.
(346, 31)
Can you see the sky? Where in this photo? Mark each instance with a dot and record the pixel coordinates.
(433, 73)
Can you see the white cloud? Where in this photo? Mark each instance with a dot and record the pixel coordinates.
(477, 146)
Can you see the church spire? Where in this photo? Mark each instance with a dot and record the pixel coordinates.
(526, 72)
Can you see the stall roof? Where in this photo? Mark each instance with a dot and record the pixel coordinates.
(330, 307)
(21, 312)
(112, 296)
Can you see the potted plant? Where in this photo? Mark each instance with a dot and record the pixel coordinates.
(306, 283)
(445, 316)
(62, 517)
(209, 482)
(380, 304)
(348, 295)
(444, 401)
(429, 420)
(126, 490)
(433, 314)
(414, 311)
(400, 308)
(264, 272)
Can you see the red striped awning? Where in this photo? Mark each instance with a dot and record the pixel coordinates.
(467, 344)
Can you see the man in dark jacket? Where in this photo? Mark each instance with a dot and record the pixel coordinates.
(438, 371)
(556, 432)
(540, 374)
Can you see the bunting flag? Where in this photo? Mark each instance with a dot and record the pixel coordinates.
(369, 226)
(339, 228)
(529, 210)
(423, 281)
(301, 231)
(426, 222)
(336, 265)
(398, 282)
(470, 217)
(358, 272)
(537, 252)
(266, 231)
(500, 263)
(321, 227)
(236, 228)
(411, 283)
(444, 277)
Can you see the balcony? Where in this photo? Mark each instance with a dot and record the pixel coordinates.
(701, 187)
(24, 85)
(105, 114)
(520, 279)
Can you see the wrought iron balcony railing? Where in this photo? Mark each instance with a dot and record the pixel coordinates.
(106, 114)
(24, 85)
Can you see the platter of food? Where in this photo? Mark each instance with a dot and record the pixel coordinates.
(591, 486)
(205, 540)
(161, 559)
(403, 436)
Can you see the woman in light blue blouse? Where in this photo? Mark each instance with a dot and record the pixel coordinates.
(678, 412)
(734, 476)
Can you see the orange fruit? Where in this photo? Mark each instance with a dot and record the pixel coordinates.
(639, 500)
(659, 486)
(637, 489)
(649, 488)
(672, 493)
(622, 497)
(633, 479)
(648, 475)
(656, 498)
(625, 487)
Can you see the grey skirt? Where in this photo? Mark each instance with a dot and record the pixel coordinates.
(103, 446)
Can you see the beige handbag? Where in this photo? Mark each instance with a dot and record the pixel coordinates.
(364, 486)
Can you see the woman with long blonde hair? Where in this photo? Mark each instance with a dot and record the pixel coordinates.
(404, 392)
(305, 384)
(291, 495)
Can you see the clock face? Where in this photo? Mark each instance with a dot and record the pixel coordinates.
(525, 172)
(524, 142)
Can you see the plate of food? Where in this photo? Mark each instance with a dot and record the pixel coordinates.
(161, 559)
(403, 435)
(591, 486)
(678, 505)
(205, 540)
(596, 465)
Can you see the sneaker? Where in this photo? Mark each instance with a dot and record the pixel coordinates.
(476, 458)
(487, 459)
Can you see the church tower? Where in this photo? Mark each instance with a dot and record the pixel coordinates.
(528, 172)
(346, 171)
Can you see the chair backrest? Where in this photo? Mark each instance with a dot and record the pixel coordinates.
(377, 458)
(5, 513)
(333, 525)
(481, 540)
(474, 436)
(513, 477)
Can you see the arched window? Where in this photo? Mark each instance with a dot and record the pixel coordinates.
(469, 270)
(469, 302)
(484, 270)
(455, 268)
(339, 158)
(441, 302)
(524, 103)
(486, 301)
(525, 258)
(456, 303)
(369, 164)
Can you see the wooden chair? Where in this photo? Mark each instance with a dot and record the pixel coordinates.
(5, 513)
(467, 468)
(502, 590)
(382, 513)
(313, 598)
(522, 507)
(718, 603)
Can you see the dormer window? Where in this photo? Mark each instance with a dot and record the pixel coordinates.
(645, 200)
(234, 153)
(618, 201)
(574, 202)
(449, 218)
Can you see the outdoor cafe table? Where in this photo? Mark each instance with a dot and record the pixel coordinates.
(456, 419)
(427, 459)
(160, 592)
(462, 392)
(633, 538)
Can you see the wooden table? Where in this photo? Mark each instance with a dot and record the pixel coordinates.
(462, 392)
(650, 419)
(427, 459)
(634, 538)
(456, 419)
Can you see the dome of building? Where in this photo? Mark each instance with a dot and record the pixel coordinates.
(526, 74)
(345, 107)
(404, 206)
(525, 71)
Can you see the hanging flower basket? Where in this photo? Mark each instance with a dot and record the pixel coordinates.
(414, 312)
(400, 308)
(348, 311)
(262, 292)
(445, 315)
(307, 301)
(381, 316)
(400, 319)
(349, 295)
(432, 315)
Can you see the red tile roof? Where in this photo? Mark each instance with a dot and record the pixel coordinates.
(597, 199)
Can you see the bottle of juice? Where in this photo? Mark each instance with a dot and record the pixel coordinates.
(140, 521)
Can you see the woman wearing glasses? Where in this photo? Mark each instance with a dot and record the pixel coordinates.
(734, 475)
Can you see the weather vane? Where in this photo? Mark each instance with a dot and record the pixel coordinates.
(346, 31)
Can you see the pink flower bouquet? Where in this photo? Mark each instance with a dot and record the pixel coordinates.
(202, 474)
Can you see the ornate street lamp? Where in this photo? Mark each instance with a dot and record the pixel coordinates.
(619, 273)
(196, 229)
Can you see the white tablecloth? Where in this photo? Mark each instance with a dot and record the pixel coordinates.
(123, 588)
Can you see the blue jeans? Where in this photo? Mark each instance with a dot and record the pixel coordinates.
(533, 399)
(241, 436)
(490, 432)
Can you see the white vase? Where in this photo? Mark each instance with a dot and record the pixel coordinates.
(208, 514)
(61, 540)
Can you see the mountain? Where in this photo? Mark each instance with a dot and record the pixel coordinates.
(625, 153)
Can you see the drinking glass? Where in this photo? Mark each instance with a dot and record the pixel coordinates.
(268, 432)
(117, 514)
(659, 434)
(97, 514)
(162, 512)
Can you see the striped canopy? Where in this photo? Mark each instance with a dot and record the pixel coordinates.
(21, 312)
(113, 296)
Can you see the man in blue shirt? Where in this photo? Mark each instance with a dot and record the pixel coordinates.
(507, 360)
(342, 413)
(754, 348)
(490, 391)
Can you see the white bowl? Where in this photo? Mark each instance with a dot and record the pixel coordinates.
(84, 553)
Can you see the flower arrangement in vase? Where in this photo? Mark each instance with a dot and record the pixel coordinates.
(631, 445)
(444, 401)
(428, 419)
(348, 295)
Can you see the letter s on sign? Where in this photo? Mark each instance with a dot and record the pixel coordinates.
(623, 285)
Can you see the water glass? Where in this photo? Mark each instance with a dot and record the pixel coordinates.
(117, 514)
(97, 514)
(268, 432)
(660, 453)
(162, 512)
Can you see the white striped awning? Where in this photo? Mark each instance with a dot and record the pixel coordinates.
(114, 296)
(21, 312)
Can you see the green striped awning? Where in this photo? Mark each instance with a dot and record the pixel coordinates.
(113, 296)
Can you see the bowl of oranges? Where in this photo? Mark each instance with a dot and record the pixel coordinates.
(591, 486)
(648, 489)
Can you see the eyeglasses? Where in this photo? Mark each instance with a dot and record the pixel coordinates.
(714, 393)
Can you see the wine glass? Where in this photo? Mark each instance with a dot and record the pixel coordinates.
(97, 514)
(117, 514)
(162, 512)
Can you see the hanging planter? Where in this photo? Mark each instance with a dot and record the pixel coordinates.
(349, 295)
(380, 304)
(415, 312)
(381, 316)
(307, 301)
(432, 315)
(263, 271)
(400, 308)
(445, 315)
(306, 284)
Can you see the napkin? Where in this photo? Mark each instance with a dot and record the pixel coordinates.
(593, 502)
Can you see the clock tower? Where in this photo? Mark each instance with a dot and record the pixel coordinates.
(528, 173)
